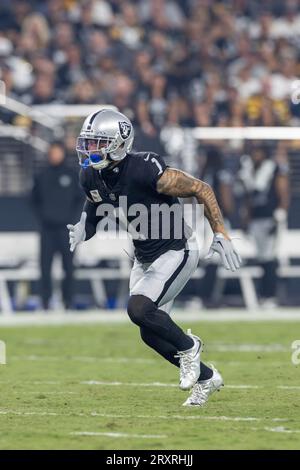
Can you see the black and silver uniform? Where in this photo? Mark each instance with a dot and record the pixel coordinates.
(136, 178)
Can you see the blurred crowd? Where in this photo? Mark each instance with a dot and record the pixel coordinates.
(161, 62)
(169, 65)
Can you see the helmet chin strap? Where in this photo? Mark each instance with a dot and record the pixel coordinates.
(112, 163)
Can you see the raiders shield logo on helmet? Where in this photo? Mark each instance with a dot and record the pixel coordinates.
(125, 129)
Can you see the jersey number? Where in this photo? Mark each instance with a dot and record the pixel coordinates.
(153, 160)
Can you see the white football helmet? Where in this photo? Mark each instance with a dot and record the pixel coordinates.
(106, 136)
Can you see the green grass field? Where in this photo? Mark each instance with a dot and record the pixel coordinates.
(45, 402)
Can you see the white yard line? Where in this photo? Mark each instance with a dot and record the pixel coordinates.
(188, 417)
(128, 384)
(224, 363)
(170, 385)
(46, 382)
(120, 316)
(36, 382)
(45, 392)
(288, 387)
(247, 347)
(154, 384)
(95, 414)
(136, 384)
(29, 413)
(117, 360)
(38, 341)
(278, 429)
(244, 387)
(282, 429)
(210, 347)
(120, 434)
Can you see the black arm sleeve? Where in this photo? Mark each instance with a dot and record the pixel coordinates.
(89, 207)
(91, 220)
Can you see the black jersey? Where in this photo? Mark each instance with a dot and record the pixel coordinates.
(135, 178)
(55, 195)
(260, 185)
(264, 200)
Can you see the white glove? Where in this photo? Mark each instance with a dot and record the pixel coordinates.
(77, 232)
(230, 258)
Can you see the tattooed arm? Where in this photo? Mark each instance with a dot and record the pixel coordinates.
(180, 184)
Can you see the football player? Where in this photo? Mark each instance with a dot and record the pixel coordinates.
(162, 265)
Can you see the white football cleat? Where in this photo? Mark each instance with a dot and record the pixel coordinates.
(202, 390)
(189, 361)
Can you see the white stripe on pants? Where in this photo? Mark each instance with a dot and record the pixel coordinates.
(150, 279)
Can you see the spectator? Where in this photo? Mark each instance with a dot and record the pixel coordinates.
(82, 93)
(43, 90)
(56, 200)
(202, 50)
(36, 26)
(265, 184)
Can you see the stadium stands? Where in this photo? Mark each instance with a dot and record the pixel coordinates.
(188, 74)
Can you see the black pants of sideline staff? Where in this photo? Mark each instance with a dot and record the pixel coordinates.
(55, 240)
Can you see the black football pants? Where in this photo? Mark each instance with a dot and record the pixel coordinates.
(55, 240)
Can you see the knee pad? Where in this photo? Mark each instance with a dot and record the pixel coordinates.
(138, 308)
